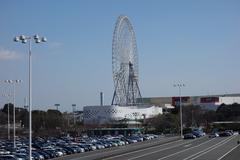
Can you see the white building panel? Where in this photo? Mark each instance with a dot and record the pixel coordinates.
(108, 114)
(228, 100)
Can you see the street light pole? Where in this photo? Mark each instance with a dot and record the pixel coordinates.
(14, 117)
(13, 82)
(180, 107)
(8, 123)
(25, 39)
(74, 110)
(57, 105)
(8, 101)
(30, 97)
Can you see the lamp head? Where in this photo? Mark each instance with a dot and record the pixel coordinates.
(18, 81)
(22, 37)
(16, 39)
(36, 37)
(44, 39)
(8, 81)
(24, 41)
(37, 40)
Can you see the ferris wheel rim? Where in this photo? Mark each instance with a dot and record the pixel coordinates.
(123, 20)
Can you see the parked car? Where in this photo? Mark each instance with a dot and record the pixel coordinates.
(106, 144)
(45, 155)
(113, 144)
(51, 153)
(85, 147)
(3, 151)
(22, 156)
(37, 156)
(198, 133)
(189, 136)
(213, 135)
(230, 131)
(135, 137)
(52, 147)
(91, 147)
(224, 134)
(9, 157)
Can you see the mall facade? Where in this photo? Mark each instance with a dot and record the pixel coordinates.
(207, 102)
(113, 114)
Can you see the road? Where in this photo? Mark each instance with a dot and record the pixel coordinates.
(220, 148)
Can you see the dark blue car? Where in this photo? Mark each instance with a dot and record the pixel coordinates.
(189, 136)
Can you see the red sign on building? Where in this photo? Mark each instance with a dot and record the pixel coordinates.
(176, 100)
(209, 99)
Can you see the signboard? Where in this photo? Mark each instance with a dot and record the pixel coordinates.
(176, 100)
(209, 99)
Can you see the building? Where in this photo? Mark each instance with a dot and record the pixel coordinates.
(112, 114)
(208, 102)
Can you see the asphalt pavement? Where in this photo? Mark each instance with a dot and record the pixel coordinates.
(170, 148)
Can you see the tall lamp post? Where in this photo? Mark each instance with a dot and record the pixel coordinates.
(57, 105)
(14, 82)
(180, 85)
(74, 110)
(8, 101)
(24, 39)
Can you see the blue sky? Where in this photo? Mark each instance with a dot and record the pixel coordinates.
(192, 42)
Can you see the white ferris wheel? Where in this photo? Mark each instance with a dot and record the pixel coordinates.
(125, 64)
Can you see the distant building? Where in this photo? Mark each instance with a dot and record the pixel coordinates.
(208, 102)
(112, 114)
(73, 117)
(79, 116)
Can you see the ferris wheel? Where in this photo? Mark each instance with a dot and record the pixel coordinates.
(125, 64)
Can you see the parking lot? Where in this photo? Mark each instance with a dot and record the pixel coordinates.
(52, 147)
(133, 147)
(202, 148)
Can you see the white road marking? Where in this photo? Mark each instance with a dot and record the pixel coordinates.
(187, 145)
(157, 151)
(206, 150)
(228, 152)
(185, 150)
(120, 155)
(153, 151)
(117, 150)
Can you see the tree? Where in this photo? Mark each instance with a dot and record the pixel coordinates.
(23, 116)
(3, 118)
(166, 123)
(192, 116)
(54, 119)
(209, 117)
(5, 108)
(228, 112)
(38, 120)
